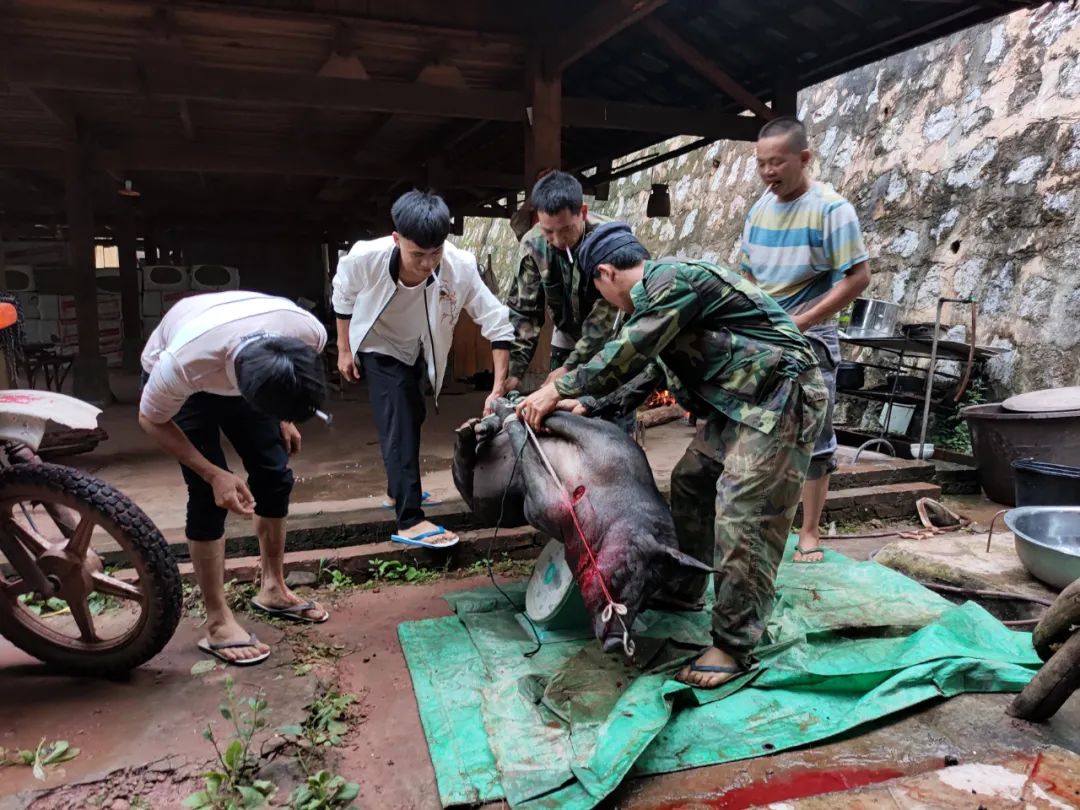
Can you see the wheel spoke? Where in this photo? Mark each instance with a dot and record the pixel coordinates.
(112, 586)
(80, 540)
(17, 587)
(34, 544)
(64, 518)
(80, 612)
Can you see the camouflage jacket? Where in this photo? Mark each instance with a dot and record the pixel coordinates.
(548, 280)
(730, 347)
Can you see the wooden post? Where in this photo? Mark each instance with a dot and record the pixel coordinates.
(786, 91)
(543, 141)
(89, 374)
(150, 251)
(129, 284)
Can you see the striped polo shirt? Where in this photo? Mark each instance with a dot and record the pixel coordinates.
(799, 250)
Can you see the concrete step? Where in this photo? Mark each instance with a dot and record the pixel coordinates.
(872, 473)
(881, 501)
(357, 560)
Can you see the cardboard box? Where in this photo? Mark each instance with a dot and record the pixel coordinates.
(63, 307)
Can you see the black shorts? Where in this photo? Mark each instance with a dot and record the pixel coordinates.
(256, 438)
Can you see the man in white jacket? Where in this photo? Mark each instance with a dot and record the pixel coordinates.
(397, 300)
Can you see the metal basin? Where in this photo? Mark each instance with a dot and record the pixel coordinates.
(1048, 541)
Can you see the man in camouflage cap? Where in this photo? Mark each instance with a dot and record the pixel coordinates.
(752, 379)
(549, 279)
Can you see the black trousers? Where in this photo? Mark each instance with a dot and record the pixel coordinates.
(397, 402)
(256, 437)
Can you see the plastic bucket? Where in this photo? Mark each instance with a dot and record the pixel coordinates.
(1039, 483)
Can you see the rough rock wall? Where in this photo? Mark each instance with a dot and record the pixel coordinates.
(962, 158)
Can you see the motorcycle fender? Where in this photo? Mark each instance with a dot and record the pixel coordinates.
(24, 414)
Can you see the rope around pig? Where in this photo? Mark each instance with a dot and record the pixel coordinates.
(613, 609)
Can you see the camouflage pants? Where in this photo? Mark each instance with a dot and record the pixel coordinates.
(733, 497)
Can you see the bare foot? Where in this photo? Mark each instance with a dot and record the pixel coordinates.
(809, 549)
(229, 630)
(712, 657)
(443, 539)
(279, 596)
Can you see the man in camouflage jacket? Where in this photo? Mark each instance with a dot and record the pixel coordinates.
(549, 279)
(752, 379)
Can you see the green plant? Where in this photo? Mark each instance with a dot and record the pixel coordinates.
(44, 757)
(239, 594)
(480, 566)
(397, 571)
(324, 791)
(97, 602)
(339, 580)
(951, 431)
(232, 785)
(324, 724)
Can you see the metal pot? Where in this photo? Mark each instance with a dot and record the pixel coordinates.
(850, 376)
(1048, 541)
(871, 317)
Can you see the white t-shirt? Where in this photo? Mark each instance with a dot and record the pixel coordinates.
(194, 347)
(398, 330)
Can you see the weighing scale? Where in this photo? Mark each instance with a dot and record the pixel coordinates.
(553, 601)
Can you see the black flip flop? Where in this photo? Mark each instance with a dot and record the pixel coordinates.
(213, 648)
(294, 613)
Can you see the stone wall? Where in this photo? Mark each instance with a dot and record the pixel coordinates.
(962, 158)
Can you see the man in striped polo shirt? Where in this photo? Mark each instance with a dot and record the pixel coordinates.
(803, 246)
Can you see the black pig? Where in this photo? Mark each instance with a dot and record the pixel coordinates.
(609, 482)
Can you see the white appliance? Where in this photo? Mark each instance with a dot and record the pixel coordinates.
(149, 324)
(20, 278)
(214, 277)
(166, 277)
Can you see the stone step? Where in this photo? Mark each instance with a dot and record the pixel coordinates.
(358, 560)
(881, 501)
(868, 474)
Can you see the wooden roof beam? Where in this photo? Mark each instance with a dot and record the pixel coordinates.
(668, 121)
(607, 18)
(176, 80)
(722, 80)
(187, 81)
(295, 160)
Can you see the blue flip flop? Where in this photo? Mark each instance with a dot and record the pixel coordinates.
(692, 662)
(419, 539)
(425, 500)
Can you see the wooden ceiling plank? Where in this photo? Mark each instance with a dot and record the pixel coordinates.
(605, 20)
(683, 50)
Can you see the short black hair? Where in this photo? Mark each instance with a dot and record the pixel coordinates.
(627, 256)
(789, 126)
(421, 217)
(282, 377)
(557, 192)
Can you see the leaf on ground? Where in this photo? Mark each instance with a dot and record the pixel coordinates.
(204, 666)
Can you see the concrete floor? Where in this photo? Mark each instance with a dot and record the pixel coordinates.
(140, 737)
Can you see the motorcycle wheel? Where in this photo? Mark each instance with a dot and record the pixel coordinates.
(56, 514)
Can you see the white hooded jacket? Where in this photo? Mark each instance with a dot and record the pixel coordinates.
(363, 286)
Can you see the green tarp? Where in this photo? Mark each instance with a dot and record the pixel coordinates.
(852, 642)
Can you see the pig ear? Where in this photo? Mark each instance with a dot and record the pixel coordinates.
(681, 559)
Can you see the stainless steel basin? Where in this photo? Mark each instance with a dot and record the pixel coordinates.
(1048, 541)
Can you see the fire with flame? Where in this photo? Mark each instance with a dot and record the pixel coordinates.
(660, 399)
